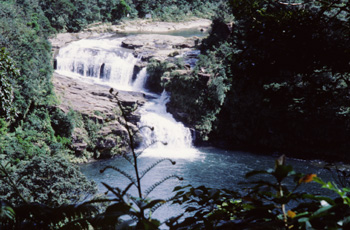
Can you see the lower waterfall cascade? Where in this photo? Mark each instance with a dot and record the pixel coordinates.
(104, 61)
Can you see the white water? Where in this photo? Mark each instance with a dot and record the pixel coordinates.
(169, 137)
(103, 61)
(100, 61)
(140, 81)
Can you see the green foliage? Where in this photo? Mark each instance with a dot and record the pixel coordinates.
(155, 70)
(40, 216)
(57, 12)
(63, 124)
(121, 10)
(3, 127)
(7, 72)
(7, 213)
(219, 33)
(92, 128)
(285, 87)
(208, 208)
(52, 181)
(31, 54)
(200, 93)
(265, 205)
(178, 10)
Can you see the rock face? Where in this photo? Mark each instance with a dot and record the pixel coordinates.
(159, 46)
(96, 104)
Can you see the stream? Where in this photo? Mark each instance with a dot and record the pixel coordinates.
(102, 61)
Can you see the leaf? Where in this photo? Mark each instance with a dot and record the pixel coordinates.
(280, 161)
(291, 214)
(153, 203)
(282, 171)
(117, 210)
(307, 178)
(321, 211)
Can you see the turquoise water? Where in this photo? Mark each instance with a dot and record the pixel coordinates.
(210, 167)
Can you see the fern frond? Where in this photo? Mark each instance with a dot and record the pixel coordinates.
(126, 189)
(128, 158)
(152, 187)
(143, 173)
(132, 179)
(148, 146)
(160, 204)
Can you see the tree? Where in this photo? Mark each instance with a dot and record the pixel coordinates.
(52, 181)
(290, 89)
(57, 12)
(121, 10)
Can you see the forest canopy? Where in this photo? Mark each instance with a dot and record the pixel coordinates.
(279, 79)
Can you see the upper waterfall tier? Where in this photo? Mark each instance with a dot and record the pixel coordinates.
(101, 60)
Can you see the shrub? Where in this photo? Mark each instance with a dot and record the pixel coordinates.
(52, 181)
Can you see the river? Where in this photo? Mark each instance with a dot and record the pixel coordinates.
(211, 167)
(103, 61)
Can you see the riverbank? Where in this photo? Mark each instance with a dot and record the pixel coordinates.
(150, 26)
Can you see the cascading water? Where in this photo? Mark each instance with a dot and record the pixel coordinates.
(168, 138)
(140, 81)
(104, 61)
(98, 60)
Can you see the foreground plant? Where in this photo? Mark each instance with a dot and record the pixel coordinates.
(272, 200)
(138, 208)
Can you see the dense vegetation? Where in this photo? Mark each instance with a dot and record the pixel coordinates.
(276, 80)
(31, 126)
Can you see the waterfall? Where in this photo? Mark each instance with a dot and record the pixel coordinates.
(168, 138)
(140, 80)
(103, 61)
(98, 60)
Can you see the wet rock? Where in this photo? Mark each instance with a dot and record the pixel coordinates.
(94, 102)
(132, 44)
(79, 141)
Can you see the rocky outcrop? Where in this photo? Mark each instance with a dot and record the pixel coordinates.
(150, 26)
(95, 103)
(159, 46)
